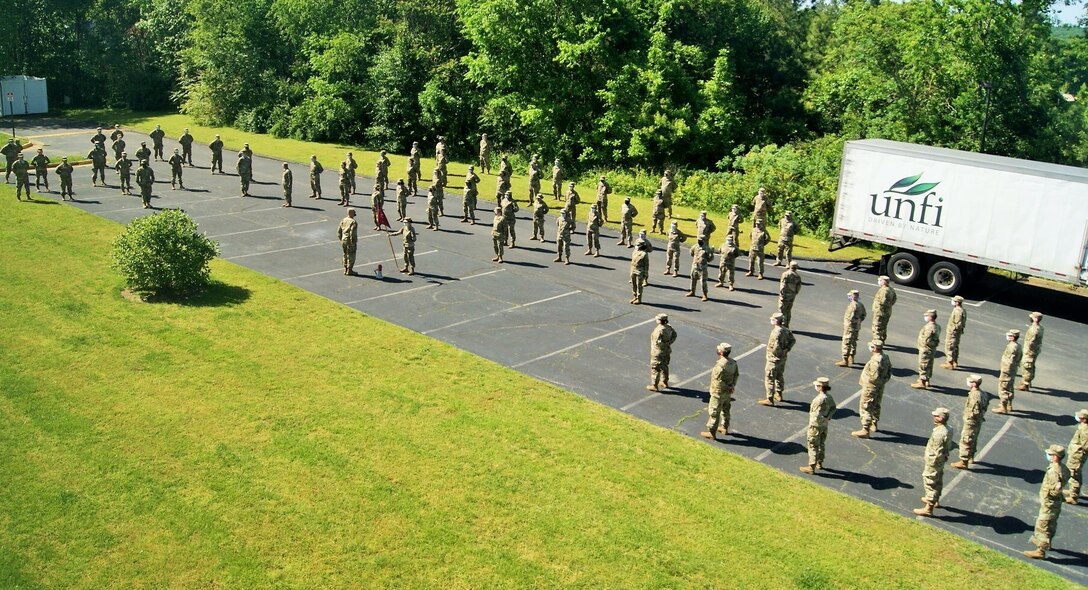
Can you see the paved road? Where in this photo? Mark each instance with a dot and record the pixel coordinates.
(573, 326)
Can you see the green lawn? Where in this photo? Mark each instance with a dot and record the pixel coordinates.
(264, 437)
(330, 155)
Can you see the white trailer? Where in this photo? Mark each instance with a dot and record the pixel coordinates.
(949, 213)
(23, 95)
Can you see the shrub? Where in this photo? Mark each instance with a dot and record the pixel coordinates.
(164, 254)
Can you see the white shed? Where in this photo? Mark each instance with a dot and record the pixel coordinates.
(21, 95)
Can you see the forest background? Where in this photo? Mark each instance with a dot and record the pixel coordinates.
(731, 94)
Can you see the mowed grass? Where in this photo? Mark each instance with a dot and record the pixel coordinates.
(330, 156)
(264, 437)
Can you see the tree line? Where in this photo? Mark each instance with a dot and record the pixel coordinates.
(731, 93)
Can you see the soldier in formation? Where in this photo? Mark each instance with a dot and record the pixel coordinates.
(432, 208)
(116, 133)
(534, 178)
(540, 211)
(928, 338)
(882, 308)
(216, 147)
(287, 182)
(353, 168)
(64, 173)
(1033, 345)
(124, 171)
(700, 257)
(704, 227)
(176, 162)
(760, 206)
(779, 344)
(661, 341)
(573, 200)
(99, 137)
(657, 215)
(437, 190)
(485, 155)
(408, 234)
(755, 250)
(315, 177)
(98, 157)
(157, 136)
(41, 170)
(11, 150)
(1078, 448)
(509, 212)
(343, 186)
(974, 414)
(668, 187)
(874, 376)
(673, 243)
(402, 201)
(603, 190)
(186, 141)
(506, 175)
(145, 179)
(851, 326)
(498, 230)
(789, 285)
(144, 153)
(118, 146)
(733, 222)
(1010, 360)
(21, 168)
(723, 382)
(787, 229)
(381, 173)
(348, 234)
(557, 180)
(563, 228)
(957, 325)
(593, 232)
(819, 418)
(640, 267)
(627, 221)
(1050, 502)
(468, 203)
(414, 168)
(937, 449)
(727, 264)
(244, 167)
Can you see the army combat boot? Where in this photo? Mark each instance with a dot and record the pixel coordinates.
(809, 469)
(1039, 553)
(962, 464)
(925, 510)
(863, 433)
(845, 362)
(920, 384)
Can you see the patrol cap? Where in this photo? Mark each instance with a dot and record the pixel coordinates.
(407, 220)
(931, 312)
(661, 317)
(1057, 450)
(124, 153)
(602, 178)
(143, 143)
(1014, 333)
(822, 382)
(793, 264)
(786, 214)
(1035, 315)
(725, 348)
(957, 299)
(883, 278)
(1081, 414)
(471, 167)
(400, 181)
(703, 213)
(876, 343)
(65, 159)
(940, 412)
(777, 316)
(854, 292)
(974, 378)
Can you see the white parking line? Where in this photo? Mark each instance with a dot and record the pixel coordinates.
(688, 380)
(302, 247)
(986, 449)
(249, 231)
(582, 343)
(509, 309)
(803, 431)
(341, 269)
(421, 287)
(908, 291)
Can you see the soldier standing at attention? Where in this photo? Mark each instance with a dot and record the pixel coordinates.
(414, 169)
(786, 230)
(876, 373)
(145, 179)
(64, 172)
(851, 325)
(10, 151)
(755, 251)
(144, 153)
(1050, 502)
(244, 166)
(432, 208)
(661, 340)
(509, 209)
(819, 418)
(779, 344)
(657, 214)
(498, 229)
(506, 172)
(402, 201)
(176, 162)
(216, 146)
(557, 180)
(643, 242)
(928, 338)
(789, 285)
(409, 242)
(315, 177)
(116, 133)
(974, 414)
(41, 170)
(667, 187)
(1078, 448)
(186, 142)
(672, 249)
(573, 199)
(343, 184)
(562, 237)
(700, 257)
(383, 166)
(727, 265)
(882, 308)
(937, 449)
(760, 206)
(436, 189)
(485, 154)
(723, 382)
(468, 203)
(21, 168)
(157, 136)
(124, 169)
(353, 167)
(640, 267)
(287, 181)
(627, 219)
(440, 148)
(118, 146)
(957, 325)
(734, 223)
(534, 178)
(704, 226)
(603, 190)
(539, 213)
(1033, 345)
(1010, 360)
(99, 137)
(593, 232)
(98, 157)
(348, 234)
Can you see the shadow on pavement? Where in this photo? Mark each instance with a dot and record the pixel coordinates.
(1002, 525)
(899, 438)
(876, 483)
(1032, 476)
(780, 448)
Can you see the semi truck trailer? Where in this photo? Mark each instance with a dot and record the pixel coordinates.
(950, 214)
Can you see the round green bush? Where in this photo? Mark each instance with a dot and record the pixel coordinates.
(164, 254)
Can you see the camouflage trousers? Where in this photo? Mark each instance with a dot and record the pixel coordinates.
(625, 233)
(672, 260)
(498, 241)
(1005, 389)
(468, 207)
(410, 257)
(698, 280)
(315, 186)
(718, 411)
(969, 440)
(880, 324)
(755, 261)
(562, 247)
(952, 347)
(1027, 369)
(126, 182)
(538, 228)
(637, 286)
(602, 207)
(1076, 477)
(287, 195)
(925, 364)
(217, 162)
(1046, 526)
(850, 341)
(22, 181)
(511, 233)
(145, 194)
(593, 241)
(933, 482)
(349, 249)
(869, 407)
(774, 378)
(785, 307)
(40, 177)
(785, 252)
(659, 371)
(726, 272)
(817, 439)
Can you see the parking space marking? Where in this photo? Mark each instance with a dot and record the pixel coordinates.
(582, 343)
(249, 231)
(986, 449)
(909, 291)
(760, 457)
(688, 380)
(508, 309)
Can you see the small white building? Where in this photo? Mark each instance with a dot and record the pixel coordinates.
(21, 95)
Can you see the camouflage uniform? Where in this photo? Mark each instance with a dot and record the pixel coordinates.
(627, 220)
(506, 174)
(658, 215)
(10, 151)
(957, 325)
(41, 171)
(603, 190)
(700, 257)
(882, 310)
(789, 285)
(432, 208)
(98, 156)
(145, 179)
(186, 142)
(468, 203)
(414, 168)
(557, 180)
(562, 238)
(438, 186)
(779, 344)
(672, 250)
(287, 182)
(176, 161)
(353, 168)
(498, 233)
(874, 376)
(704, 226)
(485, 155)
(343, 186)
(755, 251)
(509, 209)
(661, 340)
(244, 167)
(534, 179)
(759, 207)
(348, 234)
(21, 168)
(64, 172)
(593, 232)
(540, 211)
(157, 136)
(124, 169)
(1050, 503)
(974, 414)
(734, 224)
(1033, 345)
(409, 243)
(216, 146)
(118, 148)
(928, 338)
(402, 201)
(381, 169)
(819, 418)
(1010, 360)
(723, 382)
(1078, 448)
(377, 206)
(727, 264)
(787, 229)
(937, 449)
(640, 267)
(667, 187)
(851, 326)
(315, 177)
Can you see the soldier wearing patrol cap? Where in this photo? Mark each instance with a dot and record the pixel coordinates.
(928, 338)
(1050, 502)
(789, 285)
(1033, 345)
(940, 443)
(876, 373)
(786, 230)
(957, 325)
(779, 344)
(64, 172)
(851, 325)
(974, 414)
(1010, 359)
(661, 340)
(882, 308)
(1078, 448)
(723, 381)
(819, 417)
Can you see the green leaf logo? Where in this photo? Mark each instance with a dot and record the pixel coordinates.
(905, 182)
(922, 188)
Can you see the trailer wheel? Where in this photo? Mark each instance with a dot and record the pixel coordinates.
(904, 268)
(945, 278)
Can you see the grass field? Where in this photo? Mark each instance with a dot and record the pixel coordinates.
(330, 155)
(263, 437)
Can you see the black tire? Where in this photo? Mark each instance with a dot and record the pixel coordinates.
(904, 268)
(945, 278)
